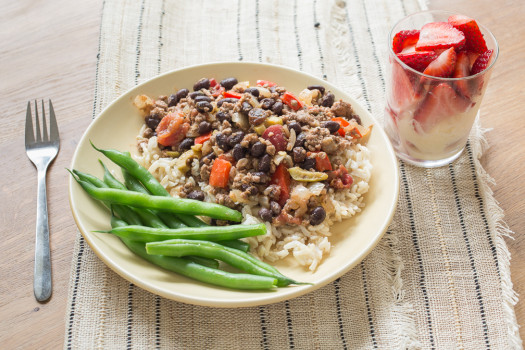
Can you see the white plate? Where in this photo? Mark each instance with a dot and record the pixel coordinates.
(117, 127)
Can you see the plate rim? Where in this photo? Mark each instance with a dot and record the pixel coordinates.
(266, 297)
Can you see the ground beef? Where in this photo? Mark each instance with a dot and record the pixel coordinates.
(224, 199)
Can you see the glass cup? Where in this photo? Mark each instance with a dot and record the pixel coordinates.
(428, 119)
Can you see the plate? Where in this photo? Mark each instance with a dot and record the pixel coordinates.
(117, 127)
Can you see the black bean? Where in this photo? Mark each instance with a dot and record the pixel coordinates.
(228, 83)
(235, 138)
(295, 126)
(246, 107)
(182, 93)
(299, 141)
(277, 108)
(331, 126)
(204, 106)
(328, 100)
(308, 163)
(172, 100)
(265, 163)
(266, 214)
(317, 215)
(357, 119)
(316, 87)
(258, 149)
(252, 190)
(202, 98)
(186, 144)
(222, 116)
(203, 83)
(267, 103)
(253, 91)
(299, 154)
(227, 100)
(222, 141)
(207, 159)
(262, 177)
(195, 94)
(275, 208)
(196, 194)
(238, 152)
(257, 116)
(204, 127)
(152, 121)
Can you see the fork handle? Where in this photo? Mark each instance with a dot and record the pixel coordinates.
(42, 274)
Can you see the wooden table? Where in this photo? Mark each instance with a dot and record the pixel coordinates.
(49, 50)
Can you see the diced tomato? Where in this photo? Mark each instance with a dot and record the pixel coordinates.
(220, 173)
(217, 90)
(232, 94)
(203, 138)
(343, 123)
(322, 162)
(355, 133)
(266, 83)
(282, 178)
(292, 101)
(213, 82)
(275, 135)
(172, 129)
(340, 178)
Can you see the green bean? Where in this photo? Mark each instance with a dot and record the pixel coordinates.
(169, 204)
(236, 244)
(124, 160)
(121, 210)
(148, 217)
(211, 233)
(243, 261)
(134, 185)
(211, 263)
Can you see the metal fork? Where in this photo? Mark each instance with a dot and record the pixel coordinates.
(42, 148)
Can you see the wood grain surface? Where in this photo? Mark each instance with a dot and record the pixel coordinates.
(49, 50)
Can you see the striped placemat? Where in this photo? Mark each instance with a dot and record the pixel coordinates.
(440, 277)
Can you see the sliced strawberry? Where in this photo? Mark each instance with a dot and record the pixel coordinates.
(469, 27)
(440, 104)
(404, 90)
(482, 62)
(472, 56)
(403, 39)
(443, 66)
(419, 60)
(439, 35)
(462, 69)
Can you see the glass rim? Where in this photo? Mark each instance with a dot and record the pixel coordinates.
(405, 66)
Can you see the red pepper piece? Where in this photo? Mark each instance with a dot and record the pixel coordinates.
(322, 162)
(213, 82)
(292, 101)
(232, 94)
(281, 178)
(220, 173)
(343, 123)
(203, 138)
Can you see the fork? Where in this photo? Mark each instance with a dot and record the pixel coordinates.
(42, 148)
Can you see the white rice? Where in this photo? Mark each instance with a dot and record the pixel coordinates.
(307, 245)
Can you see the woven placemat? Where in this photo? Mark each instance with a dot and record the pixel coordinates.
(439, 278)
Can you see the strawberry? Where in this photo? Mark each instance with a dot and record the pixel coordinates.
(404, 93)
(462, 69)
(482, 62)
(403, 39)
(443, 66)
(439, 35)
(469, 27)
(441, 103)
(419, 60)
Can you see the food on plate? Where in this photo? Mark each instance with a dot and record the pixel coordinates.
(430, 119)
(297, 162)
(184, 249)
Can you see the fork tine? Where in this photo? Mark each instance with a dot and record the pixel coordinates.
(53, 127)
(37, 124)
(45, 138)
(30, 136)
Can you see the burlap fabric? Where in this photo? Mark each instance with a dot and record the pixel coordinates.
(438, 279)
